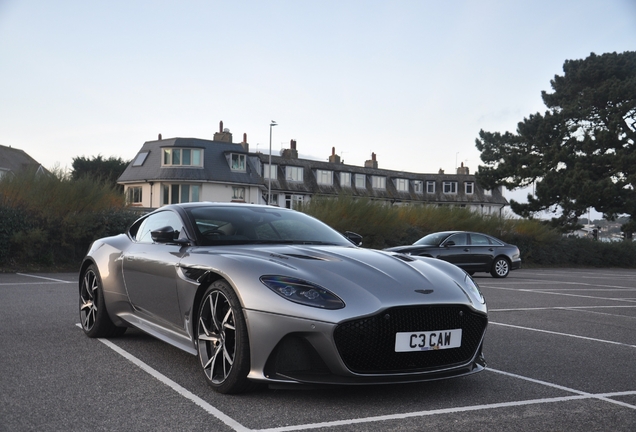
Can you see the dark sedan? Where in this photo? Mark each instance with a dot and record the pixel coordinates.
(473, 252)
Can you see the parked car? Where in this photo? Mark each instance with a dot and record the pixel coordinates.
(270, 295)
(474, 252)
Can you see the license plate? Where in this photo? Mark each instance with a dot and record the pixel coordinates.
(428, 340)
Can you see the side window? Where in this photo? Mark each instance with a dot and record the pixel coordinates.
(479, 240)
(156, 221)
(459, 239)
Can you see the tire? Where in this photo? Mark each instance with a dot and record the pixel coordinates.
(500, 268)
(92, 308)
(222, 340)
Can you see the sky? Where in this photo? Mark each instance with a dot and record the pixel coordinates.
(411, 81)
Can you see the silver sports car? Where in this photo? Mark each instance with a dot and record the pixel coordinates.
(270, 295)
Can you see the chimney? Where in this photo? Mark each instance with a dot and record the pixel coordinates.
(159, 138)
(371, 163)
(223, 135)
(334, 158)
(244, 144)
(441, 171)
(462, 170)
(291, 152)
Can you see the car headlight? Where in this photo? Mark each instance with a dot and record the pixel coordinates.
(473, 289)
(300, 291)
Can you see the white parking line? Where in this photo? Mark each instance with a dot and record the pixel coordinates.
(45, 278)
(563, 334)
(565, 294)
(176, 387)
(236, 426)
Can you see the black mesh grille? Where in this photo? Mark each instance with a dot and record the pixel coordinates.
(367, 345)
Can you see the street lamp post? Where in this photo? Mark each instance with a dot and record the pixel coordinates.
(269, 175)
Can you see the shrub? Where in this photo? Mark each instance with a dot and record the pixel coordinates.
(383, 225)
(50, 220)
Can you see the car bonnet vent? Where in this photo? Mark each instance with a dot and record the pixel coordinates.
(307, 257)
(404, 257)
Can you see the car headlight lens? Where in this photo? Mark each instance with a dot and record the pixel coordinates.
(473, 289)
(300, 291)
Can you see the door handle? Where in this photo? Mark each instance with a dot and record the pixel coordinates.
(466, 250)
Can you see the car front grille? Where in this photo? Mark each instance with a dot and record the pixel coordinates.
(367, 345)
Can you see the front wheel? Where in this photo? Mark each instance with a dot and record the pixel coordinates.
(222, 340)
(500, 268)
(92, 308)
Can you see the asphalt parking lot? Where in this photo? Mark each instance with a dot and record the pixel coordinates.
(560, 346)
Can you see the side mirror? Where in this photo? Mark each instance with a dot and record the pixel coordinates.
(354, 238)
(167, 234)
(450, 243)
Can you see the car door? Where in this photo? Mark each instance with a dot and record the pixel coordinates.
(150, 270)
(455, 249)
(481, 254)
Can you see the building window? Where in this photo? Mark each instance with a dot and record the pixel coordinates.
(293, 173)
(324, 177)
(430, 186)
(133, 195)
(180, 193)
(345, 179)
(267, 171)
(378, 182)
(361, 181)
(293, 201)
(450, 187)
(182, 157)
(237, 162)
(402, 185)
(418, 186)
(469, 188)
(140, 159)
(238, 194)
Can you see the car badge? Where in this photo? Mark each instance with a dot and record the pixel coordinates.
(427, 291)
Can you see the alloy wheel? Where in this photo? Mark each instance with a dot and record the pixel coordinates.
(217, 337)
(89, 300)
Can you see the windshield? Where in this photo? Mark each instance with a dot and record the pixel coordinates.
(259, 225)
(433, 239)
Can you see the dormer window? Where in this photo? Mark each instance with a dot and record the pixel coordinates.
(402, 185)
(360, 181)
(324, 177)
(294, 174)
(378, 182)
(237, 162)
(469, 188)
(182, 157)
(450, 187)
(270, 171)
(345, 179)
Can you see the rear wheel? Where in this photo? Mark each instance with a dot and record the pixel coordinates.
(92, 308)
(500, 268)
(222, 340)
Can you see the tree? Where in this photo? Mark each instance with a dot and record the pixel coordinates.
(581, 152)
(107, 170)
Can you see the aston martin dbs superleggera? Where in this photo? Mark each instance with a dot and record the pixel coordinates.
(270, 295)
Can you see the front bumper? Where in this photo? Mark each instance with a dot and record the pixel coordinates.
(291, 350)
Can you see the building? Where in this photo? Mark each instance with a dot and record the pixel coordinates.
(188, 169)
(14, 161)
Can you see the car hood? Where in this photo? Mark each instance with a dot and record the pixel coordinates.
(366, 280)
